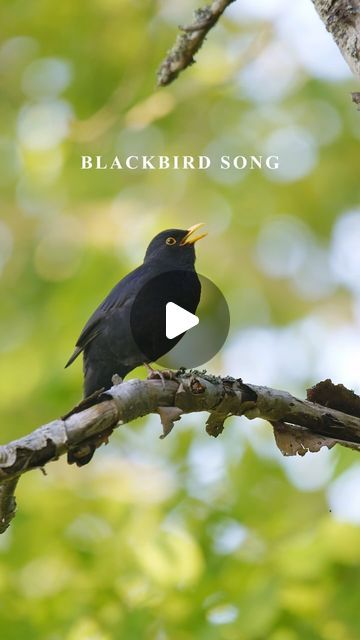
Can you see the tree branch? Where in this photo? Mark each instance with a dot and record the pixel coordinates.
(189, 42)
(299, 425)
(342, 19)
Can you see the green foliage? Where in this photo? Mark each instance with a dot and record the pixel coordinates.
(187, 537)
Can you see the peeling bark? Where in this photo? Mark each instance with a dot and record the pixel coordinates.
(300, 425)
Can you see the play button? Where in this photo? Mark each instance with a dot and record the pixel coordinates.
(190, 333)
(178, 320)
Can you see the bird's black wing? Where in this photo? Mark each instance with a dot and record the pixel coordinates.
(89, 332)
(121, 294)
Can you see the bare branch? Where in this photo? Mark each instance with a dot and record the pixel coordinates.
(189, 42)
(300, 425)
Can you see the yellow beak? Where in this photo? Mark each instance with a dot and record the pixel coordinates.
(189, 238)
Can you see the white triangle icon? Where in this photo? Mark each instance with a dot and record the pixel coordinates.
(178, 320)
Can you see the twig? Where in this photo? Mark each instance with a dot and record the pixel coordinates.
(312, 425)
(189, 42)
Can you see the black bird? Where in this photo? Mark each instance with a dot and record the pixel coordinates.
(128, 328)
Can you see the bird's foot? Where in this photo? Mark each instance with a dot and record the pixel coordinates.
(157, 374)
(116, 379)
(149, 369)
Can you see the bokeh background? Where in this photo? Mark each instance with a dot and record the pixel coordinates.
(189, 537)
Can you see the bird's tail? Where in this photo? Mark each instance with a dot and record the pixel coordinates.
(73, 357)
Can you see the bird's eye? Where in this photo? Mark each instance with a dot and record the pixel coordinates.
(170, 241)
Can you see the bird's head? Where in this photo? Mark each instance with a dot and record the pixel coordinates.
(175, 247)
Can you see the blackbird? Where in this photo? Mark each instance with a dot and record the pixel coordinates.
(128, 328)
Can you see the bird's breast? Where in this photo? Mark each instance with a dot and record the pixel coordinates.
(148, 313)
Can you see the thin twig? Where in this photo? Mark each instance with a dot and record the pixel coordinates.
(189, 42)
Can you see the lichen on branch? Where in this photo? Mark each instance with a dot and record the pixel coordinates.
(190, 40)
(330, 415)
(342, 19)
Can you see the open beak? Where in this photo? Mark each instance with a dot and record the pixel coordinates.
(189, 238)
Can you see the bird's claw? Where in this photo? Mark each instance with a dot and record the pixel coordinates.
(157, 374)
